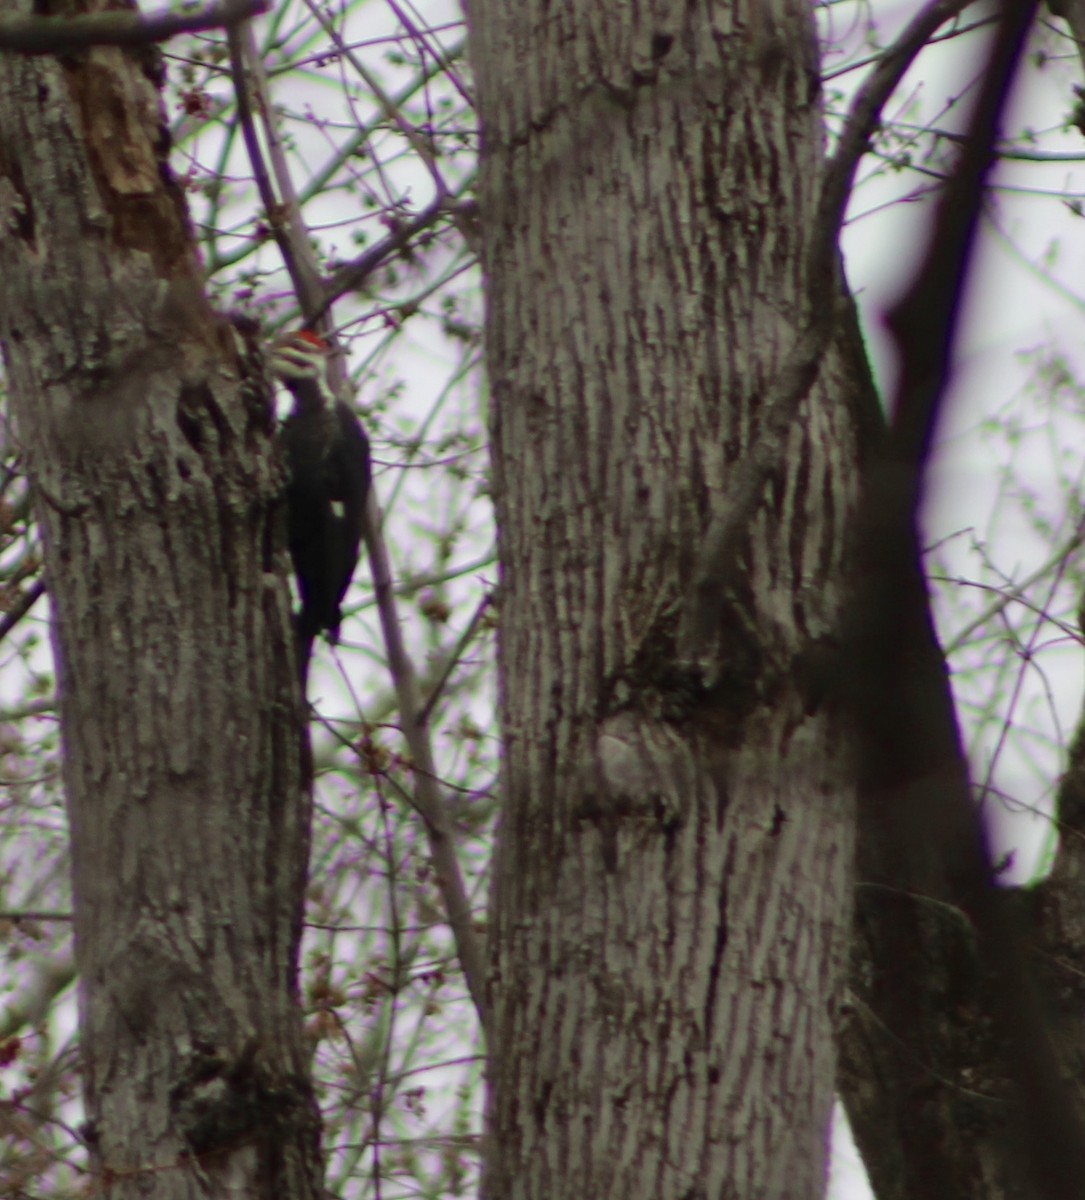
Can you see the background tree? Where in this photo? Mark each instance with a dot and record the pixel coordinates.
(365, 163)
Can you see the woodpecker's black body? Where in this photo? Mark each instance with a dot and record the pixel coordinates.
(327, 460)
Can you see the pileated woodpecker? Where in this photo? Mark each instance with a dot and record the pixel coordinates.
(327, 460)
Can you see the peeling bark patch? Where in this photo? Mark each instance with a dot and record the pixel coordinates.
(127, 147)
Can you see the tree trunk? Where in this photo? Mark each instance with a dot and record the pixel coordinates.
(924, 1069)
(672, 889)
(148, 438)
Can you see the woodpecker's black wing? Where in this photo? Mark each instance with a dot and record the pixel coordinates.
(328, 468)
(347, 478)
(310, 519)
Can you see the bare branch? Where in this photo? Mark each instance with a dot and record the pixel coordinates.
(353, 274)
(865, 112)
(427, 792)
(58, 35)
(284, 219)
(455, 657)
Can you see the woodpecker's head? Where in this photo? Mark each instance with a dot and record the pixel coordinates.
(299, 360)
(299, 356)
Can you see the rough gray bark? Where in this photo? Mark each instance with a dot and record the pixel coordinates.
(185, 764)
(672, 890)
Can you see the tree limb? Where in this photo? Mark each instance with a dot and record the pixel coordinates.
(59, 35)
(22, 605)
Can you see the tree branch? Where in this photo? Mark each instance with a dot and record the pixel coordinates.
(353, 274)
(284, 219)
(58, 35)
(22, 605)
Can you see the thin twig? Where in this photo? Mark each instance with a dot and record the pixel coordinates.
(352, 275)
(433, 47)
(1018, 594)
(416, 140)
(21, 607)
(323, 176)
(454, 658)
